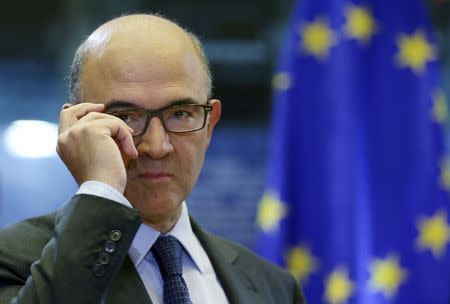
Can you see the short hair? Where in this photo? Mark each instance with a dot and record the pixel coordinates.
(76, 93)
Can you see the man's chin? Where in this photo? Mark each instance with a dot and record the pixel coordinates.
(155, 205)
(162, 217)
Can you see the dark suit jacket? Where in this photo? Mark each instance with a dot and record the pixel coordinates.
(56, 259)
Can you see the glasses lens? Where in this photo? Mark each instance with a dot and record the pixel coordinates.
(134, 119)
(184, 118)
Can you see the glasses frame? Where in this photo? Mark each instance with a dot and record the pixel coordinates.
(149, 114)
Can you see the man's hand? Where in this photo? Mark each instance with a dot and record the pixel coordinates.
(91, 144)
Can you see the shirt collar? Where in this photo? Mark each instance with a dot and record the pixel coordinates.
(146, 236)
(143, 240)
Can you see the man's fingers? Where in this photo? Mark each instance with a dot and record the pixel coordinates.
(123, 136)
(110, 126)
(115, 132)
(81, 109)
(89, 116)
(72, 113)
(125, 139)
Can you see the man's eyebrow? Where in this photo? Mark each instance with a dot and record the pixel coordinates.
(181, 102)
(121, 104)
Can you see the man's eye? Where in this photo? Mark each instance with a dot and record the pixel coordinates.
(180, 114)
(125, 117)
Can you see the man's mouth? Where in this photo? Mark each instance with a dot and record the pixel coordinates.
(155, 176)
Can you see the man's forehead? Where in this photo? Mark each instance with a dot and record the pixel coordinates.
(140, 43)
(136, 30)
(142, 49)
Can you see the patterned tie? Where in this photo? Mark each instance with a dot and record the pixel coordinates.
(167, 252)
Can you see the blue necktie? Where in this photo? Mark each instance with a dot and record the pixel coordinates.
(167, 252)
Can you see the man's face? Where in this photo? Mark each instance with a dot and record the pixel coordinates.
(153, 77)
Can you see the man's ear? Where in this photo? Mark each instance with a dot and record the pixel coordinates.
(214, 117)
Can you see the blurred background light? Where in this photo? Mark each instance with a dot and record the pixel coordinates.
(31, 138)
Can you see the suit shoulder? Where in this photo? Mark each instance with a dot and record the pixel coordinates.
(214, 243)
(27, 236)
(253, 260)
(32, 227)
(274, 282)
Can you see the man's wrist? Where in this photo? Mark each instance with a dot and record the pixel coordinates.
(103, 190)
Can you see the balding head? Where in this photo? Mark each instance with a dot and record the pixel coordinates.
(136, 34)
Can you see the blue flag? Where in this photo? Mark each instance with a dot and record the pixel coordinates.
(356, 203)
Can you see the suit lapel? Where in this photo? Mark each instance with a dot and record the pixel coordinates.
(239, 284)
(128, 287)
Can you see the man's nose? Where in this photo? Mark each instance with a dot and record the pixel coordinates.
(155, 141)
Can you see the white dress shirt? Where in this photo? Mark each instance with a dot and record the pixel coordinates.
(198, 273)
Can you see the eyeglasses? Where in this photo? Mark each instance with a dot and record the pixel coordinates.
(177, 119)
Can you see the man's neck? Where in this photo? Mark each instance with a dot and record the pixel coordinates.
(163, 224)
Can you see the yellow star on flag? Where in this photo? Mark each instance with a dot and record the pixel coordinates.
(338, 287)
(270, 212)
(434, 233)
(301, 263)
(360, 24)
(317, 38)
(414, 51)
(444, 178)
(386, 276)
(440, 109)
(282, 81)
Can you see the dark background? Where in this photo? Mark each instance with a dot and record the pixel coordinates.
(241, 38)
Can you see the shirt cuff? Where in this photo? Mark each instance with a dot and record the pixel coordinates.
(103, 190)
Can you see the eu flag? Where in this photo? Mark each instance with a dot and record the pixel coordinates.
(356, 203)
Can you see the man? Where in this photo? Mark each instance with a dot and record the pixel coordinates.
(134, 138)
